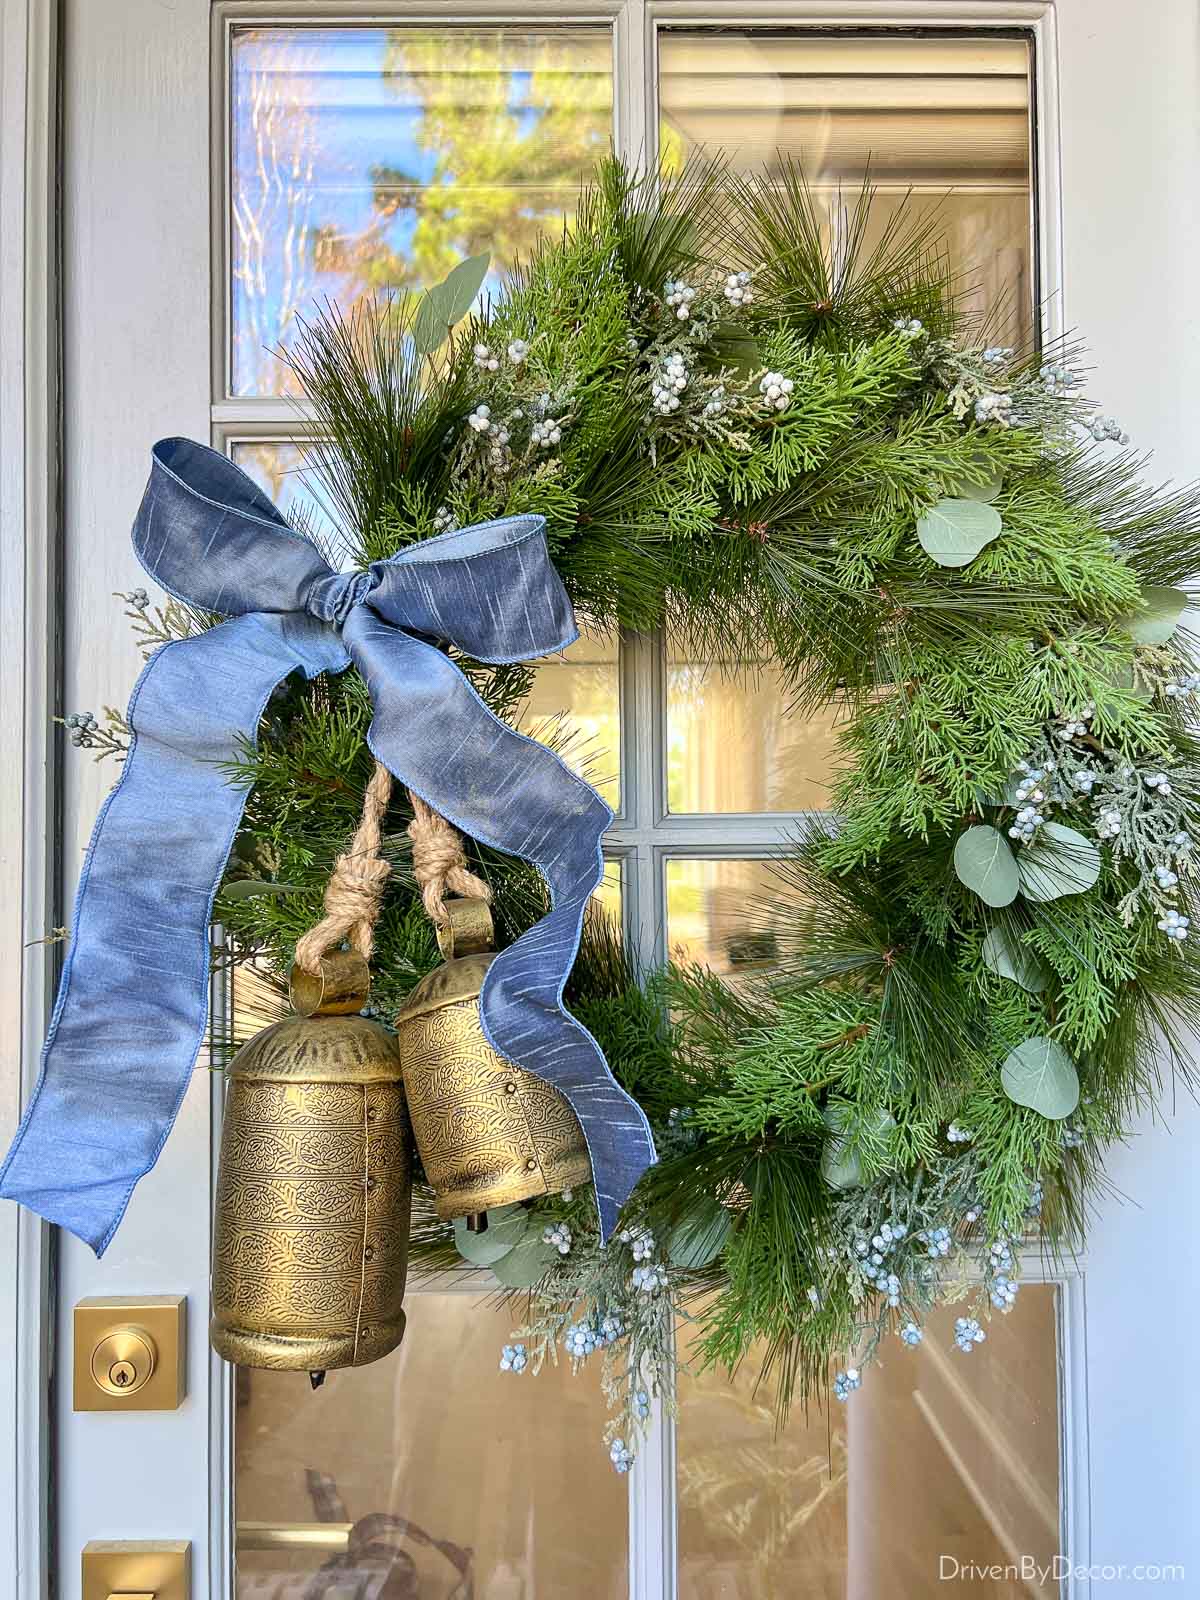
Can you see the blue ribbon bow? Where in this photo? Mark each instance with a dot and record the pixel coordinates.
(133, 1001)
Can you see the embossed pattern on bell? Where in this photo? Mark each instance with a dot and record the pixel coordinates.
(311, 1237)
(489, 1133)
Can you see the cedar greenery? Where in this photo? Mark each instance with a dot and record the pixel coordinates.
(861, 1083)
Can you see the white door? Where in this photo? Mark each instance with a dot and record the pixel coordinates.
(220, 164)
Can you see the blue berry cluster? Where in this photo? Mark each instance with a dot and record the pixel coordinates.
(513, 1358)
(967, 1334)
(846, 1382)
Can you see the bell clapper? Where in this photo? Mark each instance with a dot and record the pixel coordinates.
(316, 1379)
(477, 1222)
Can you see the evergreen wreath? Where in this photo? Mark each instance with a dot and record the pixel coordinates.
(984, 962)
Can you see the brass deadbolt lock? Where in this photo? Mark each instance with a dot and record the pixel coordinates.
(129, 1353)
(124, 1360)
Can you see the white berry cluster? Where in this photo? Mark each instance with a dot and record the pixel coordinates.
(994, 406)
(967, 1334)
(1058, 379)
(513, 1358)
(1029, 795)
(1165, 877)
(559, 1235)
(640, 1242)
(717, 401)
(1183, 687)
(957, 1135)
(1157, 782)
(737, 289)
(1108, 822)
(846, 1382)
(443, 520)
(669, 383)
(911, 1334)
(1074, 727)
(776, 391)
(546, 434)
(911, 327)
(997, 354)
(1175, 926)
(679, 297)
(620, 1455)
(1104, 429)
(484, 359)
(517, 350)
(649, 1279)
(641, 1405)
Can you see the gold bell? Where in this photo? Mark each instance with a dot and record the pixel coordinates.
(310, 1246)
(489, 1132)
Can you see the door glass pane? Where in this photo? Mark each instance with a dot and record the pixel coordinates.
(720, 914)
(947, 117)
(429, 1474)
(734, 745)
(575, 705)
(374, 158)
(942, 1467)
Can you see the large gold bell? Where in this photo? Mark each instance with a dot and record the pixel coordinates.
(489, 1132)
(310, 1246)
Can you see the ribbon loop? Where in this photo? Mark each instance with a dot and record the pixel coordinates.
(132, 1003)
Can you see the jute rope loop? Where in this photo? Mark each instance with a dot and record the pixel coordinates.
(354, 893)
(438, 861)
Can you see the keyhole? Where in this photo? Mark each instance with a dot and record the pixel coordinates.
(122, 1374)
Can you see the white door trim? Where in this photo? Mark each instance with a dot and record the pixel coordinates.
(29, 687)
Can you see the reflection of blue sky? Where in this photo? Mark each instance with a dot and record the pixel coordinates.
(336, 115)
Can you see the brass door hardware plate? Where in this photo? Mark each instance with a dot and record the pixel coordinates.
(137, 1569)
(130, 1352)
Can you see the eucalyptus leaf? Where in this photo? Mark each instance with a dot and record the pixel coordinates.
(247, 888)
(954, 531)
(448, 302)
(507, 1227)
(985, 491)
(526, 1264)
(1059, 862)
(984, 862)
(1041, 1075)
(1155, 625)
(1008, 958)
(841, 1167)
(699, 1237)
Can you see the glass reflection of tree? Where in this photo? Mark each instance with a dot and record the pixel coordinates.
(471, 141)
(509, 124)
(768, 1514)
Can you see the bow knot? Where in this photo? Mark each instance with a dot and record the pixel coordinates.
(333, 597)
(133, 999)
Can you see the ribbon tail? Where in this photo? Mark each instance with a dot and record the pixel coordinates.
(132, 1002)
(438, 737)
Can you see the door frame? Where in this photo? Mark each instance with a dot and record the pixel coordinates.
(30, 677)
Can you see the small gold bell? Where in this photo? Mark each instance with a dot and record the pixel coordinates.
(489, 1132)
(310, 1245)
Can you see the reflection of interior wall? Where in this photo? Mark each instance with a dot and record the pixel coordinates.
(956, 1456)
(512, 1467)
(732, 745)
